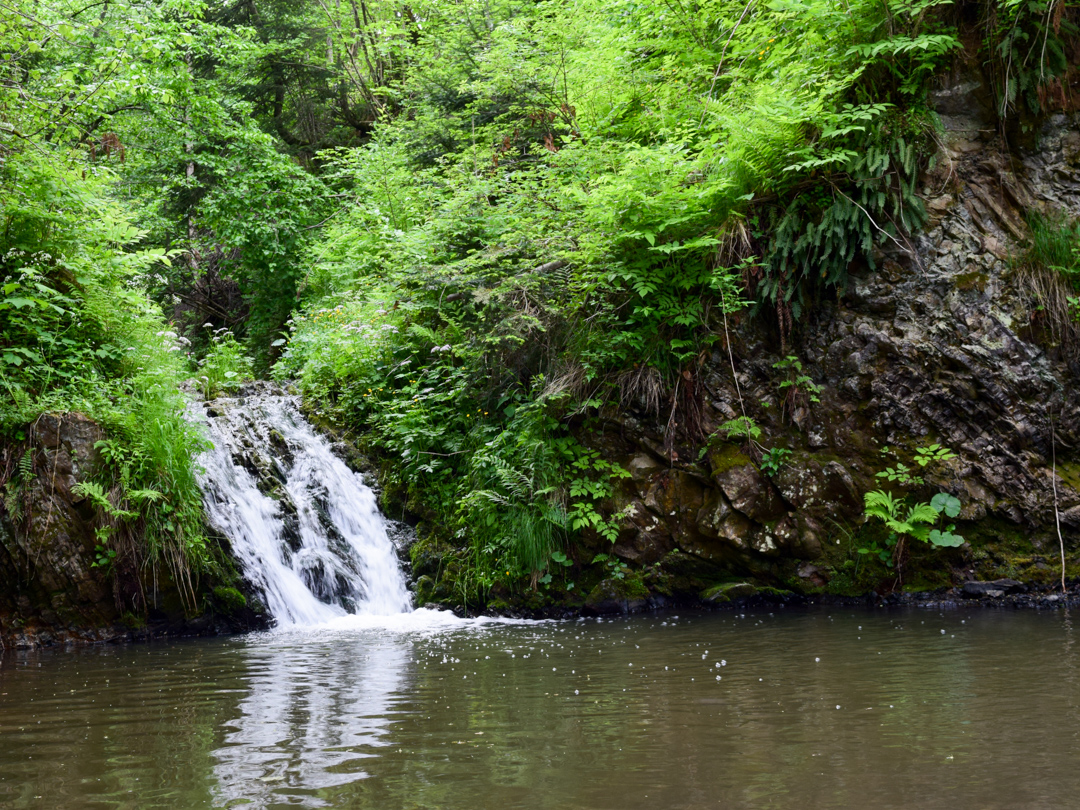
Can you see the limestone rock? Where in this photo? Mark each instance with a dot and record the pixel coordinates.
(751, 493)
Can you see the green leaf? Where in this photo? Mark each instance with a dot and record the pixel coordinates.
(922, 513)
(945, 539)
(944, 502)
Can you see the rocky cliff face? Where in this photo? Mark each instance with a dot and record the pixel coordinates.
(50, 589)
(946, 343)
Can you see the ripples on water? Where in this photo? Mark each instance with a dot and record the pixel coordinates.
(819, 709)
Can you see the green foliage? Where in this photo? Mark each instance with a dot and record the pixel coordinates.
(1049, 270)
(560, 204)
(77, 332)
(225, 367)
(230, 599)
(614, 567)
(773, 460)
(900, 474)
(870, 198)
(1055, 249)
(915, 521)
(1055, 245)
(918, 520)
(1026, 41)
(932, 454)
(798, 389)
(464, 229)
(741, 427)
(905, 476)
(948, 505)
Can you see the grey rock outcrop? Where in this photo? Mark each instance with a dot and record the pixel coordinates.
(942, 344)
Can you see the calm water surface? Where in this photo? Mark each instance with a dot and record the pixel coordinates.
(821, 709)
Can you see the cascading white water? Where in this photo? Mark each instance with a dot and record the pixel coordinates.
(305, 529)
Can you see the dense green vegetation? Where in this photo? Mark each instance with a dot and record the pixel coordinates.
(465, 229)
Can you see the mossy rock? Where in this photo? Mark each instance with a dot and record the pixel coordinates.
(613, 595)
(728, 592)
(424, 588)
(229, 600)
(727, 457)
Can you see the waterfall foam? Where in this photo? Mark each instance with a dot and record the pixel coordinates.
(304, 528)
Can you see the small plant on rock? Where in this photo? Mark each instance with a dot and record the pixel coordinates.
(798, 389)
(905, 476)
(919, 521)
(773, 460)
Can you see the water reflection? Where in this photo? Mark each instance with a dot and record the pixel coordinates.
(315, 709)
(820, 709)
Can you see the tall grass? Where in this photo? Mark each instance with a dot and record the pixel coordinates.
(1049, 271)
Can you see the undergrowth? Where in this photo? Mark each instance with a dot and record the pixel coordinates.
(559, 226)
(77, 335)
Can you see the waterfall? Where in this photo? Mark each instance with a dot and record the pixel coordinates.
(304, 528)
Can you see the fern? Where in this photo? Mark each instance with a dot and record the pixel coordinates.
(97, 497)
(26, 467)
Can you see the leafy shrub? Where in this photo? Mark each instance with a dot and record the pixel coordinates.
(226, 366)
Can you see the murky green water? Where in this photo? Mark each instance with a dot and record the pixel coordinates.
(824, 709)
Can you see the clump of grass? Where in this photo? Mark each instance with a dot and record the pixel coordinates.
(1049, 270)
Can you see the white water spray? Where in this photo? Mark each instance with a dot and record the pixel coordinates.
(305, 529)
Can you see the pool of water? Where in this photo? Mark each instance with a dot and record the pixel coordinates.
(790, 709)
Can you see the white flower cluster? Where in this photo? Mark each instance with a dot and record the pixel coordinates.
(173, 342)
